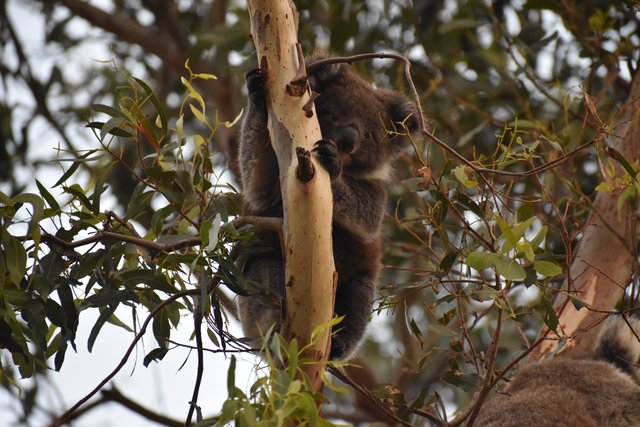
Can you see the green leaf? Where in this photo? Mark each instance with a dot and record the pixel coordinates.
(199, 115)
(116, 131)
(578, 303)
(527, 249)
(461, 175)
(509, 268)
(480, 260)
(102, 319)
(468, 204)
(193, 93)
(139, 201)
(443, 208)
(415, 329)
(549, 316)
(161, 327)
(106, 109)
(204, 76)
(38, 208)
(110, 297)
(212, 336)
(504, 305)
(110, 125)
(522, 124)
(155, 354)
(53, 203)
(536, 241)
(616, 155)
(507, 233)
(16, 259)
(73, 167)
(156, 104)
(79, 193)
(447, 261)
(154, 279)
(231, 375)
(547, 268)
(520, 228)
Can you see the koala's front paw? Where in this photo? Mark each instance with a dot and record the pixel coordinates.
(256, 80)
(328, 156)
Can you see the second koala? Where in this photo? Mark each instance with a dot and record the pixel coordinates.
(602, 391)
(357, 151)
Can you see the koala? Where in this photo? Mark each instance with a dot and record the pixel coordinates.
(357, 150)
(596, 392)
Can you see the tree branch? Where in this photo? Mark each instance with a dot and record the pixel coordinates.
(130, 31)
(260, 223)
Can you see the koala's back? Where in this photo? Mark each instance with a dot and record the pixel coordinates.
(566, 392)
(548, 406)
(601, 391)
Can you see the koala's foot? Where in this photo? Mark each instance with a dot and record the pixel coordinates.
(338, 348)
(328, 156)
(256, 80)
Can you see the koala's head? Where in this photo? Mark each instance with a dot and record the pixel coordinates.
(368, 125)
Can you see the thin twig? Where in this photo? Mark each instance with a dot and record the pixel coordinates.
(374, 400)
(197, 327)
(474, 408)
(114, 395)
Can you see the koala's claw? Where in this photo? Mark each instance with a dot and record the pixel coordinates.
(327, 154)
(255, 80)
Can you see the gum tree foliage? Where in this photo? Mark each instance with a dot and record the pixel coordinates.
(509, 85)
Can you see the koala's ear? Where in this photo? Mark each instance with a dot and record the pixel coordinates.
(402, 110)
(321, 77)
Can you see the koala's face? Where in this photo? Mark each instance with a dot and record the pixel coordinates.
(363, 122)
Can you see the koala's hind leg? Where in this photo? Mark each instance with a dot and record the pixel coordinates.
(353, 301)
(263, 308)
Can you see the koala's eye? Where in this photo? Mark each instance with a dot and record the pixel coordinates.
(368, 135)
(334, 117)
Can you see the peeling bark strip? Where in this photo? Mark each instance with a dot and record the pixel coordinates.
(309, 268)
(603, 261)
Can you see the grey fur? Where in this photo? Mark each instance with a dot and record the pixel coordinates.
(575, 392)
(357, 153)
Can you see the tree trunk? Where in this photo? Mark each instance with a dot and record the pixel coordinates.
(309, 271)
(604, 259)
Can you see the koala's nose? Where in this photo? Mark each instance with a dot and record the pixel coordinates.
(347, 139)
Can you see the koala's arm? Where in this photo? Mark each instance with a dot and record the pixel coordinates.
(257, 160)
(358, 205)
(358, 202)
